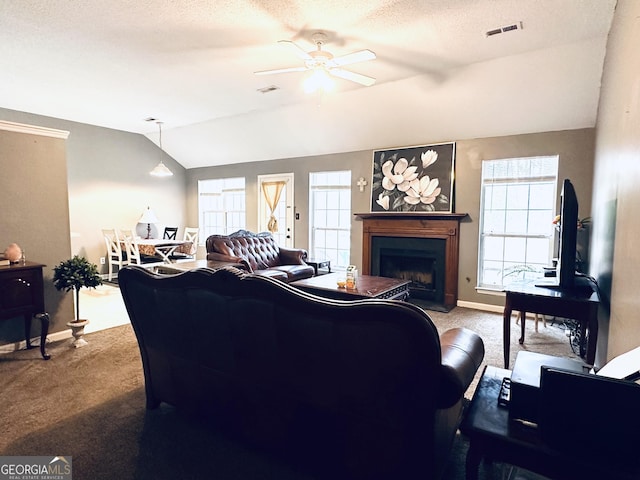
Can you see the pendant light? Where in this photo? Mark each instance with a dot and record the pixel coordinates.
(161, 169)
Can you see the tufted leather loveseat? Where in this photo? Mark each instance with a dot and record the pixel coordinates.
(363, 389)
(260, 254)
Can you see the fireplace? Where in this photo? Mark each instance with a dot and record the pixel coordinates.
(419, 260)
(421, 248)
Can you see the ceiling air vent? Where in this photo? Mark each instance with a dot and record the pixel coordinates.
(270, 88)
(508, 28)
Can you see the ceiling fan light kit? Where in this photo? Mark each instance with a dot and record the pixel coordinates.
(319, 80)
(322, 63)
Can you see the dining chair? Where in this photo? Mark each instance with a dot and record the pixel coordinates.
(170, 233)
(134, 256)
(115, 255)
(190, 235)
(131, 246)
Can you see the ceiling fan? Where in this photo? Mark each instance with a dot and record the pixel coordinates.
(320, 62)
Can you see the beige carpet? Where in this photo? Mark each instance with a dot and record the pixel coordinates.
(550, 340)
(88, 403)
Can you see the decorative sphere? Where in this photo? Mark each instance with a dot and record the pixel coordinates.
(13, 253)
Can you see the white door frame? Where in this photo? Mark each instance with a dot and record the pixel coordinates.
(288, 228)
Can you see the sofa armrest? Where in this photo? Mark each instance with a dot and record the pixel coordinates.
(292, 256)
(220, 257)
(462, 355)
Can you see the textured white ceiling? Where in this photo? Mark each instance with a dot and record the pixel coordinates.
(190, 63)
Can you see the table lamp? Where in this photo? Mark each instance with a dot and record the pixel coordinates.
(148, 217)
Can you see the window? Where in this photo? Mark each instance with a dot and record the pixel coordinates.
(517, 207)
(330, 217)
(221, 206)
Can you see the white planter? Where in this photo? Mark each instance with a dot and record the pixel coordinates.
(77, 330)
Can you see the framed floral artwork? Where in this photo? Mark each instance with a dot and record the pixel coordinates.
(413, 179)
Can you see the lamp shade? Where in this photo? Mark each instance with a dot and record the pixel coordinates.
(161, 170)
(148, 217)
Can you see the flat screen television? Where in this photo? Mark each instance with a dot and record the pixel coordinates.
(566, 268)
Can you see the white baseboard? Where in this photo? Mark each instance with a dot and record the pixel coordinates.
(35, 341)
(490, 308)
(481, 306)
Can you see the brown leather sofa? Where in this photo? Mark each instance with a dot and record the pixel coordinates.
(259, 253)
(363, 389)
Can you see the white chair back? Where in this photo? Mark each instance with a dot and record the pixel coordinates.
(131, 245)
(191, 235)
(114, 250)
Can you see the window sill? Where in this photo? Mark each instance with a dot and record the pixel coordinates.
(499, 292)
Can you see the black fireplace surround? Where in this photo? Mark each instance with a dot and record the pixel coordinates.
(419, 260)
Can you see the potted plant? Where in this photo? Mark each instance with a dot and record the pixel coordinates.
(74, 274)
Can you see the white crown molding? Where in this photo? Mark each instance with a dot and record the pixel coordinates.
(33, 130)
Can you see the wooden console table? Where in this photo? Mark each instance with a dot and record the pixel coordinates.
(573, 303)
(22, 293)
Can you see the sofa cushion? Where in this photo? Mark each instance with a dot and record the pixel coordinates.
(273, 273)
(293, 272)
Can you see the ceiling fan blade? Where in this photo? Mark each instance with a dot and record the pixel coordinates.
(296, 49)
(354, 77)
(355, 57)
(281, 70)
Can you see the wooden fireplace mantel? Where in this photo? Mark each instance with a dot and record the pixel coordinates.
(444, 226)
(405, 215)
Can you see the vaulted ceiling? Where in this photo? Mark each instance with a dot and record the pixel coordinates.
(191, 64)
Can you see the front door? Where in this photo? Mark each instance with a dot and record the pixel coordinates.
(283, 211)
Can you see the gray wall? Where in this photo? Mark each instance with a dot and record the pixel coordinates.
(358, 162)
(109, 185)
(575, 151)
(35, 215)
(575, 148)
(102, 177)
(615, 260)
(109, 182)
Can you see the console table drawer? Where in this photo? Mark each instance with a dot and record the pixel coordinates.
(20, 290)
(22, 294)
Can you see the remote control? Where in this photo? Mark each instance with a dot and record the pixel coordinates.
(505, 392)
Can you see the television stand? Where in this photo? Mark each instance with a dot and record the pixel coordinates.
(575, 303)
(581, 284)
(548, 282)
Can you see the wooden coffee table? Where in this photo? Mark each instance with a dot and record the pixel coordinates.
(366, 287)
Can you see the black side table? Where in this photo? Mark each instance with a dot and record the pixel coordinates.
(317, 264)
(494, 437)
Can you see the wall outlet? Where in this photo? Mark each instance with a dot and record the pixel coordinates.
(103, 260)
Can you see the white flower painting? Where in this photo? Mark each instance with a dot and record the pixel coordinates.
(413, 179)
